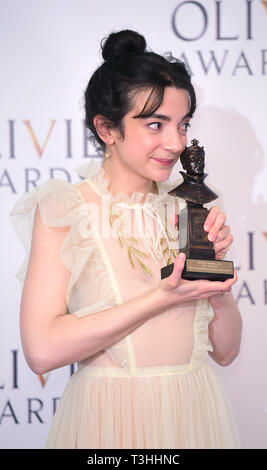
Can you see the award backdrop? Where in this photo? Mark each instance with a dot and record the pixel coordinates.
(48, 51)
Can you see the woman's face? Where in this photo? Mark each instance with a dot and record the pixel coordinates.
(151, 146)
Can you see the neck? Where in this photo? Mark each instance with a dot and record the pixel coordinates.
(125, 180)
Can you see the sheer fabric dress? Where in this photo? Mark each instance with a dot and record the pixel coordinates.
(154, 388)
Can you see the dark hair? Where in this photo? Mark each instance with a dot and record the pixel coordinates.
(129, 68)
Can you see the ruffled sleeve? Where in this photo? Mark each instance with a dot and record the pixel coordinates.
(62, 206)
(59, 203)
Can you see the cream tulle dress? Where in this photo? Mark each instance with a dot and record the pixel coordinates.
(153, 389)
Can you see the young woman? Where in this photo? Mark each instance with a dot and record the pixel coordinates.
(92, 289)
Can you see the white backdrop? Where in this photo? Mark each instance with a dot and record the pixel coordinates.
(48, 50)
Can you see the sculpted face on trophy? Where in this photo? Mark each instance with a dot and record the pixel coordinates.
(193, 188)
(200, 260)
(193, 160)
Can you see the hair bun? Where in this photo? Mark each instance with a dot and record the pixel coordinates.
(123, 43)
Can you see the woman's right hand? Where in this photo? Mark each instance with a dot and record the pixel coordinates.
(179, 290)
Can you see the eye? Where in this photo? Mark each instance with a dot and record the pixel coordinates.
(154, 125)
(187, 125)
(184, 127)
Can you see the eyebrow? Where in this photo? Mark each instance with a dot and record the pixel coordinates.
(158, 116)
(163, 117)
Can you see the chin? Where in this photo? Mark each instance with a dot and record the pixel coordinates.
(162, 175)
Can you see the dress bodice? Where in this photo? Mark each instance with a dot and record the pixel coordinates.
(114, 249)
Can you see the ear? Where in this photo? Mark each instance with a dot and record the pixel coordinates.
(104, 129)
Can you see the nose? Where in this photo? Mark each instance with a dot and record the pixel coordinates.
(174, 142)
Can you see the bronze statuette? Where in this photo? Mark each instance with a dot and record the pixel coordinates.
(200, 260)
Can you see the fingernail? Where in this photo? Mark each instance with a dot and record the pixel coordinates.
(206, 227)
(211, 237)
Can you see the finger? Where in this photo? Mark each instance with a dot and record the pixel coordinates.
(211, 217)
(219, 286)
(223, 233)
(224, 245)
(213, 294)
(178, 267)
(227, 286)
(217, 226)
(207, 295)
(220, 255)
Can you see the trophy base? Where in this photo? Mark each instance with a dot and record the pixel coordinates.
(211, 270)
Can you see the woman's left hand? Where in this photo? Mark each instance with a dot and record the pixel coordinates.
(218, 232)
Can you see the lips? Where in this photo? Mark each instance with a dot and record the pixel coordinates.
(165, 162)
